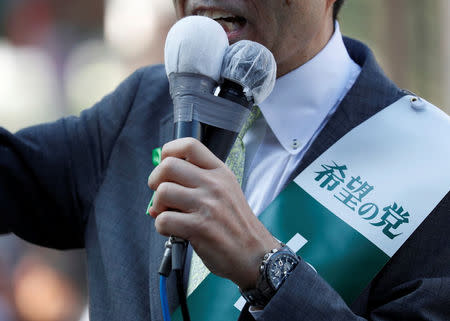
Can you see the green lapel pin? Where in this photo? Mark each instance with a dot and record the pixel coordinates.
(156, 160)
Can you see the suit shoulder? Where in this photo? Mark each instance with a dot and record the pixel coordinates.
(152, 74)
(144, 77)
(153, 83)
(150, 89)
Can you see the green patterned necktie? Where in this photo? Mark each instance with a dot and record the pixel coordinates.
(236, 158)
(235, 162)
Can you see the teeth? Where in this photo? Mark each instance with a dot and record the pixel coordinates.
(220, 16)
(214, 14)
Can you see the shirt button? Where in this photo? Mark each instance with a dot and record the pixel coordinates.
(417, 103)
(295, 144)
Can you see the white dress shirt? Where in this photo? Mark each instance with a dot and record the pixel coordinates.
(294, 114)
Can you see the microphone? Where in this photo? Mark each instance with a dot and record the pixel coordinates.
(193, 56)
(197, 56)
(249, 72)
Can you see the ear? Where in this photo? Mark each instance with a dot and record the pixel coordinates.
(330, 3)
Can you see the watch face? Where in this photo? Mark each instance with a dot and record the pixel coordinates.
(280, 265)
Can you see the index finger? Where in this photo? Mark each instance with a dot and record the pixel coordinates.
(193, 151)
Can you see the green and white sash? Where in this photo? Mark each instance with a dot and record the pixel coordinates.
(354, 206)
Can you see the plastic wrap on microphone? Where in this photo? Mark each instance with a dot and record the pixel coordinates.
(252, 66)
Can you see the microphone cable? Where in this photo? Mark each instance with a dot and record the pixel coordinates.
(179, 249)
(182, 296)
(163, 296)
(173, 260)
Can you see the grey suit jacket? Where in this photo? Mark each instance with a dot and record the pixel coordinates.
(82, 182)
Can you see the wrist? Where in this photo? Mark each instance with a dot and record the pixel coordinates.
(274, 269)
(250, 280)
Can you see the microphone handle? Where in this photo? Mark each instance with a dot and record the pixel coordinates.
(192, 128)
(175, 252)
(218, 140)
(180, 84)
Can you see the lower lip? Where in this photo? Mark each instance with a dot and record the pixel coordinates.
(236, 35)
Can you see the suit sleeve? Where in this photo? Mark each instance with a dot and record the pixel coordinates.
(50, 173)
(414, 284)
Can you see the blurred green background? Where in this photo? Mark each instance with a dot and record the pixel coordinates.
(411, 40)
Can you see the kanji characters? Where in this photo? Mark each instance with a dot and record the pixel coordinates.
(392, 218)
(356, 190)
(334, 176)
(352, 195)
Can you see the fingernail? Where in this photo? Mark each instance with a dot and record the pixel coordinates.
(150, 205)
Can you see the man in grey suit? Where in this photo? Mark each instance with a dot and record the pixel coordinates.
(81, 182)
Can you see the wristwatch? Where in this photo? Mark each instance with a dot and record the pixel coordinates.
(274, 269)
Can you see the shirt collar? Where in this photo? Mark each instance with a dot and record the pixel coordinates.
(302, 99)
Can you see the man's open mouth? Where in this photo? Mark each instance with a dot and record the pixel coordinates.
(228, 21)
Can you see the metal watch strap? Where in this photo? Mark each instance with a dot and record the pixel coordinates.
(261, 295)
(256, 298)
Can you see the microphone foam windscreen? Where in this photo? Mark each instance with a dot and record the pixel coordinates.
(195, 44)
(253, 66)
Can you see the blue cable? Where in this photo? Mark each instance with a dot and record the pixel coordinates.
(163, 295)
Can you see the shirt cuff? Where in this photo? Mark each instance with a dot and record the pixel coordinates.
(255, 312)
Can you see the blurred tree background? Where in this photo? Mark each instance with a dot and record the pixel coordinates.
(411, 40)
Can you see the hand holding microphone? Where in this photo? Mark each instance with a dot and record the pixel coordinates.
(197, 197)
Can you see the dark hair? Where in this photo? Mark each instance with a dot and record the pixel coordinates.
(336, 8)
